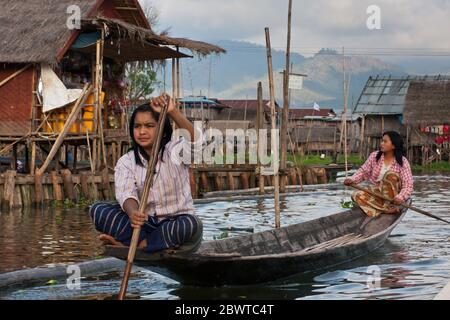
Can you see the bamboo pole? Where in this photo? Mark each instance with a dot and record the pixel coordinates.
(344, 115)
(273, 120)
(284, 123)
(33, 157)
(361, 139)
(259, 127)
(98, 90)
(72, 117)
(143, 203)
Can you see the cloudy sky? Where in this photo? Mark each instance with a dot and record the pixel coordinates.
(414, 25)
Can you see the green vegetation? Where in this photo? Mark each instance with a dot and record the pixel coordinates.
(67, 203)
(434, 167)
(316, 160)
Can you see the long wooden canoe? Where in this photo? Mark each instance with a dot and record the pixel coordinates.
(266, 256)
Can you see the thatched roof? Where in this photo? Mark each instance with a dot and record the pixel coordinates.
(427, 103)
(133, 31)
(36, 30)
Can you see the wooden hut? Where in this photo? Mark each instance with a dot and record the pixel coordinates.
(427, 118)
(63, 91)
(39, 52)
(246, 110)
(310, 117)
(381, 106)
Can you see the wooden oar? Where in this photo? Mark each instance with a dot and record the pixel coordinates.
(147, 186)
(402, 204)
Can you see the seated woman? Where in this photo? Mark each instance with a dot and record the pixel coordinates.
(389, 173)
(169, 221)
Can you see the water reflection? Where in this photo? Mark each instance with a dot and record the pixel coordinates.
(413, 263)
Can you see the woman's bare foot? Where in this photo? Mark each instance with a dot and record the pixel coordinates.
(110, 241)
(393, 210)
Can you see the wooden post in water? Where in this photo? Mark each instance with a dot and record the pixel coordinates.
(259, 127)
(274, 148)
(8, 191)
(69, 190)
(38, 190)
(57, 192)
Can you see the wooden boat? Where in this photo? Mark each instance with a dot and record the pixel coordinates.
(275, 254)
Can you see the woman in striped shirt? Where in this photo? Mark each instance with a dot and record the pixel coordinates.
(169, 221)
(389, 173)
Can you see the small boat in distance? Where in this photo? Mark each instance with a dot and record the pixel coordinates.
(274, 254)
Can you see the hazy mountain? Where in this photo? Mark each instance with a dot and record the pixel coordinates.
(235, 75)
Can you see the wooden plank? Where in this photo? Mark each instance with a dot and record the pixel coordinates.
(72, 117)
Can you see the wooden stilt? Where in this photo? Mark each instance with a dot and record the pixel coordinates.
(57, 192)
(105, 184)
(230, 178)
(193, 183)
(69, 189)
(38, 190)
(244, 181)
(205, 182)
(218, 181)
(8, 190)
(75, 157)
(14, 158)
(84, 181)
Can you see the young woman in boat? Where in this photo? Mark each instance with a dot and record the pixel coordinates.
(169, 221)
(389, 173)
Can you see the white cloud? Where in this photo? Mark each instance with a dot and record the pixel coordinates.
(319, 23)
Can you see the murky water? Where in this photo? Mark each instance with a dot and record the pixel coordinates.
(413, 264)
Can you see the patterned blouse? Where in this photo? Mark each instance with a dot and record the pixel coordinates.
(370, 171)
(171, 191)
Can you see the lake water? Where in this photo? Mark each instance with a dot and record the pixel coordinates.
(413, 264)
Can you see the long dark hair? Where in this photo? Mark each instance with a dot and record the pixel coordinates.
(398, 143)
(166, 137)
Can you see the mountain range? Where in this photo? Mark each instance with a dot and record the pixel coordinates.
(235, 75)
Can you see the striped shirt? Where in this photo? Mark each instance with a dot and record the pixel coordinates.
(371, 169)
(171, 192)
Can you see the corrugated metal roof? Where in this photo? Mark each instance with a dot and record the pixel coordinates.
(386, 95)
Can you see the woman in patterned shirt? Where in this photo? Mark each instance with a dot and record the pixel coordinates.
(389, 173)
(169, 221)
